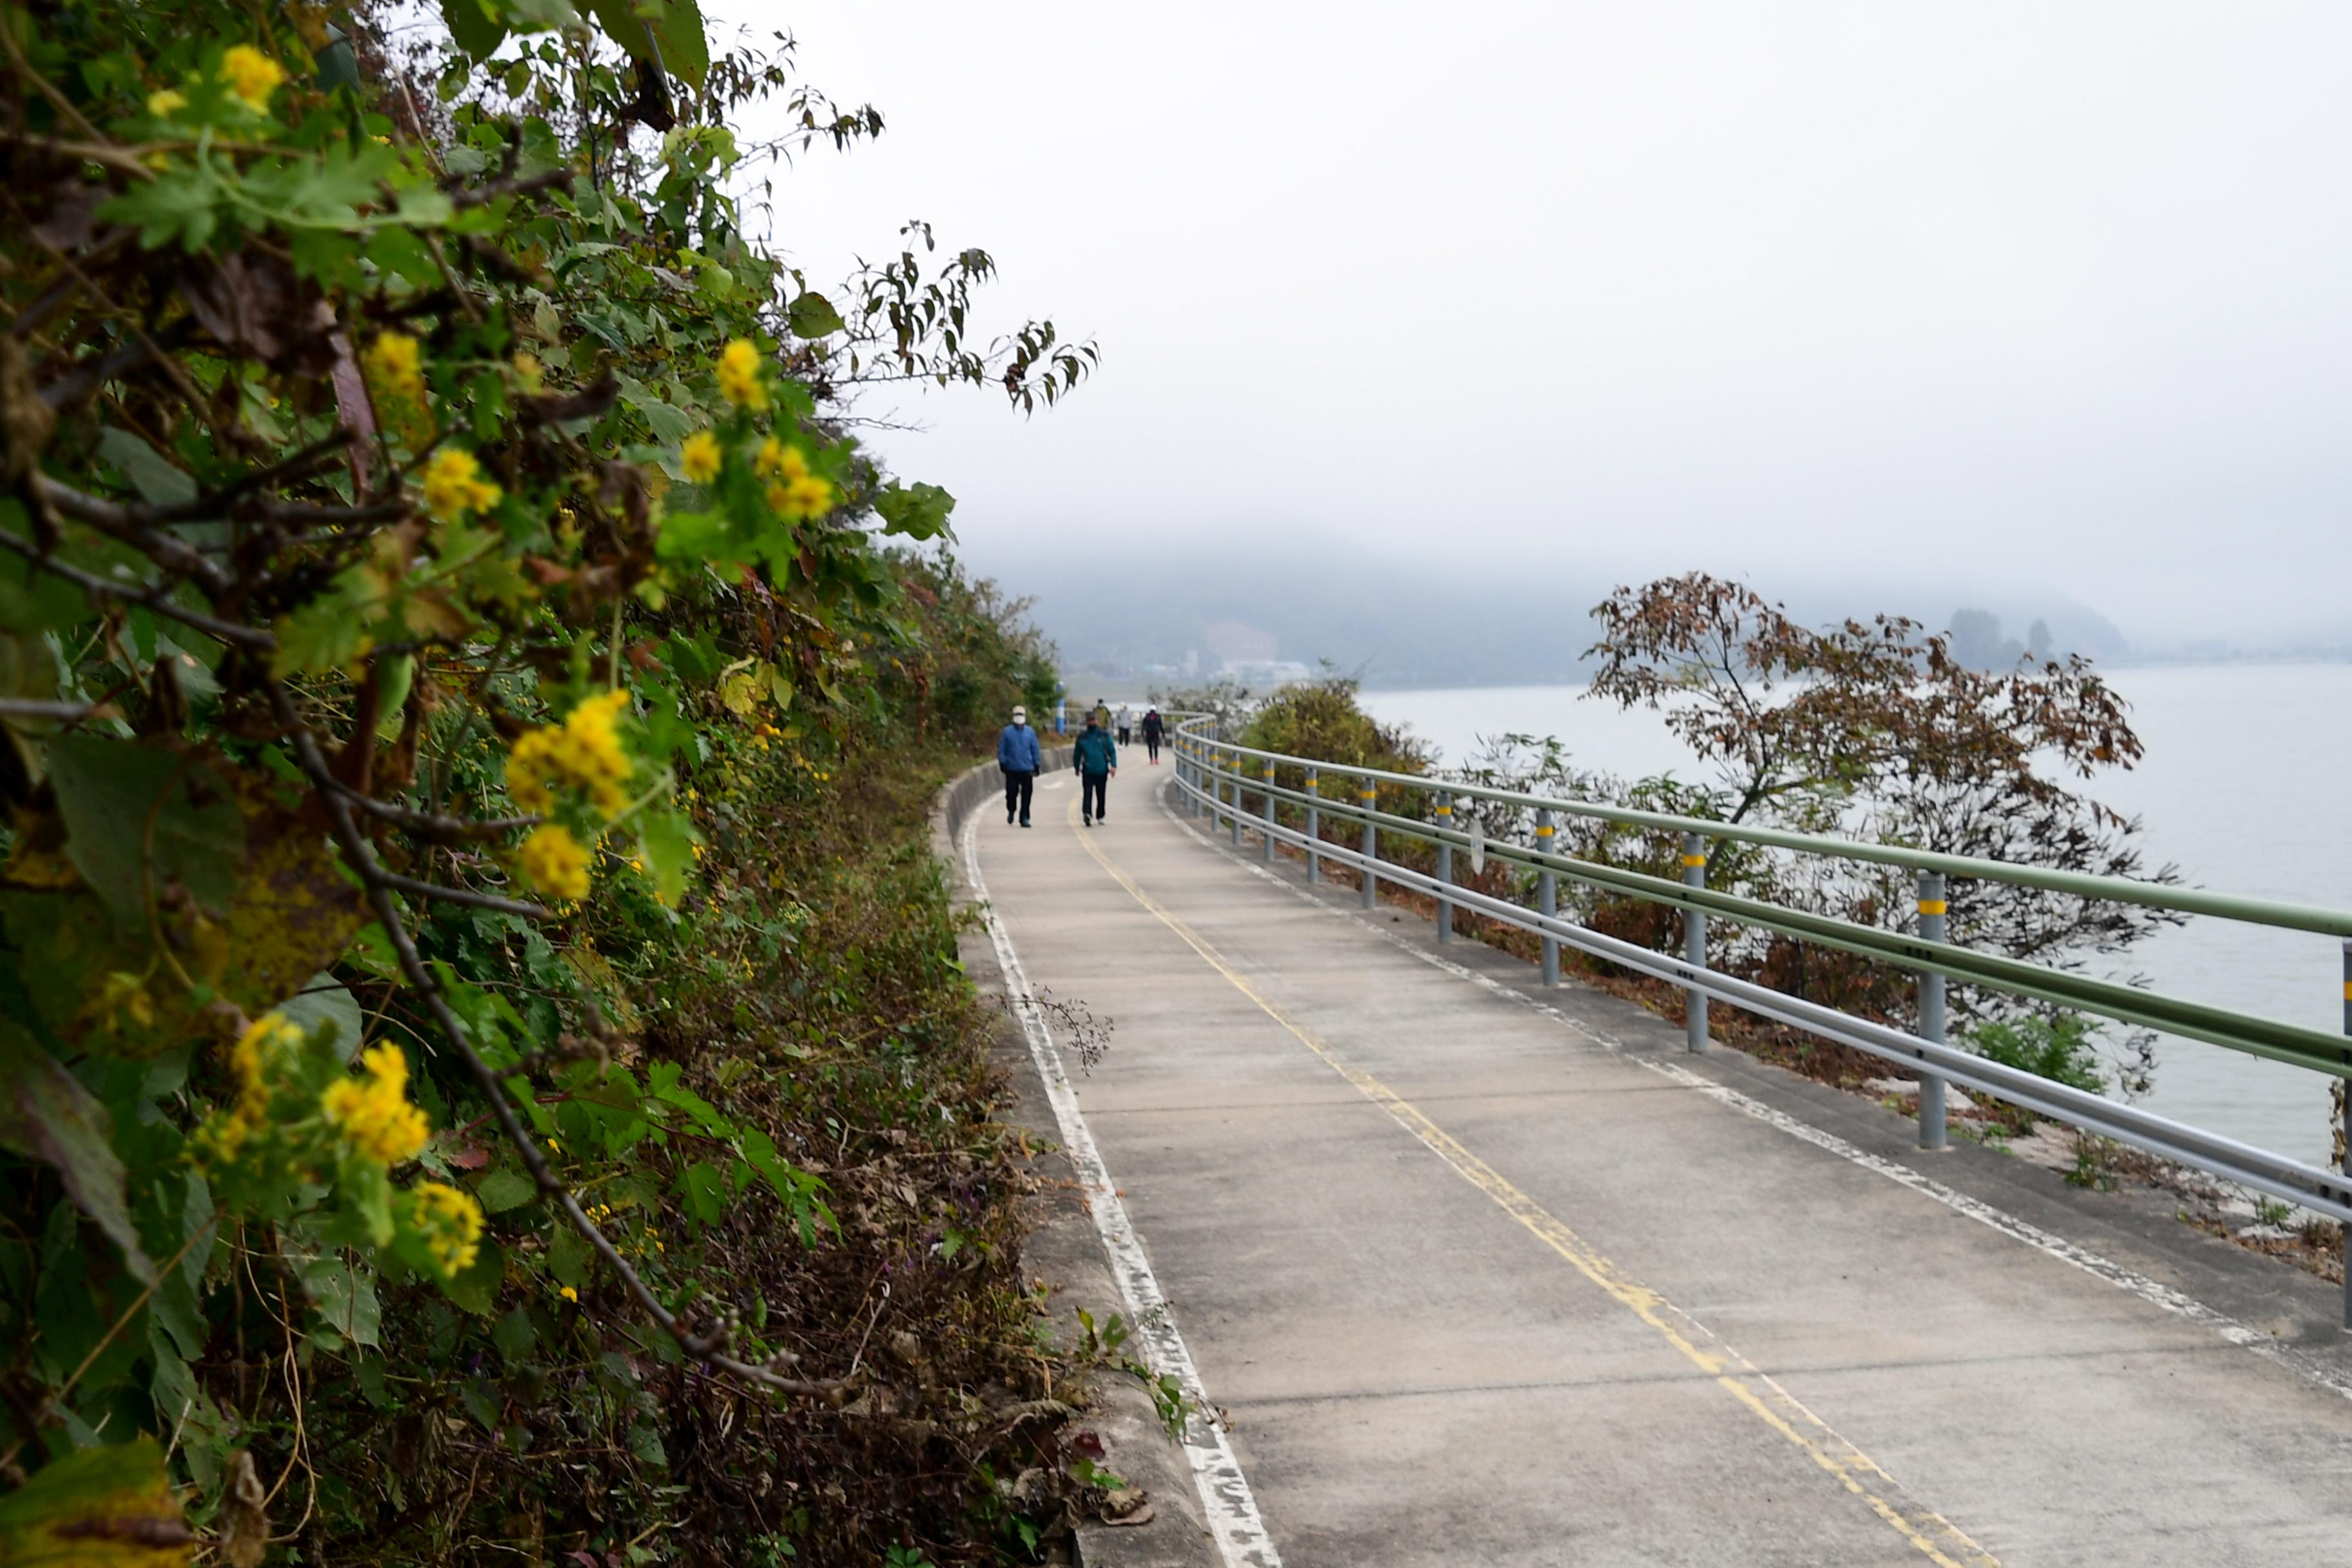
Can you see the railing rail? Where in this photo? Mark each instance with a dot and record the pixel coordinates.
(1214, 774)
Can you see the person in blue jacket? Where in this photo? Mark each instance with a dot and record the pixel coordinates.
(1019, 759)
(1095, 756)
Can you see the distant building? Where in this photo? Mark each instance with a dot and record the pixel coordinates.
(1265, 673)
(1235, 643)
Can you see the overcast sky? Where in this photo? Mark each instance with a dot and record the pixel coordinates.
(2049, 296)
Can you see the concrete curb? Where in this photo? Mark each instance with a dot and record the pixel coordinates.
(1064, 1253)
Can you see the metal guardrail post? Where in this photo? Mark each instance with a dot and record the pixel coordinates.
(1932, 1128)
(1314, 827)
(1546, 897)
(1233, 818)
(1444, 866)
(1370, 796)
(1694, 942)
(1269, 814)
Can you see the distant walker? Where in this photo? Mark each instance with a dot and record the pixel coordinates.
(1095, 757)
(1018, 758)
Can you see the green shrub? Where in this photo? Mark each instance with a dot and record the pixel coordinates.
(2058, 1047)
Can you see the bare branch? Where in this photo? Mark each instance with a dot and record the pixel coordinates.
(156, 597)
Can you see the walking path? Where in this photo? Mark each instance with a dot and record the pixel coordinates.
(1486, 1275)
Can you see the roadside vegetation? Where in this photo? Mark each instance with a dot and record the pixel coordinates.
(484, 1070)
(1868, 730)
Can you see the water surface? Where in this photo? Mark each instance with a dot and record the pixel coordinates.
(2243, 788)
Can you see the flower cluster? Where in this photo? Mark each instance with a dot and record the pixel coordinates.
(582, 753)
(395, 366)
(454, 484)
(793, 489)
(739, 375)
(252, 75)
(555, 861)
(257, 1061)
(373, 1110)
(448, 1222)
(700, 458)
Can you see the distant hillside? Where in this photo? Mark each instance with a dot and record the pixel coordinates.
(1118, 616)
(1117, 610)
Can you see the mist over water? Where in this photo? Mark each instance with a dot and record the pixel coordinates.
(2243, 788)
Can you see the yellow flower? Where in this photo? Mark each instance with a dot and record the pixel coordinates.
(569, 1294)
(252, 75)
(395, 357)
(806, 498)
(454, 484)
(452, 1224)
(528, 371)
(699, 456)
(374, 1111)
(395, 373)
(739, 375)
(164, 104)
(555, 862)
(776, 458)
(583, 752)
(252, 1060)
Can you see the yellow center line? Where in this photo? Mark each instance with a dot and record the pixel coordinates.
(1941, 1542)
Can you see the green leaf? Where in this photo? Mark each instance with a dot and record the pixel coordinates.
(666, 841)
(473, 29)
(101, 1508)
(150, 472)
(476, 1287)
(325, 1001)
(812, 316)
(668, 422)
(705, 1189)
(394, 676)
(137, 817)
(504, 1190)
(514, 1335)
(568, 1257)
(674, 27)
(323, 191)
(918, 511)
(343, 1289)
(47, 1115)
(176, 208)
(422, 206)
(646, 1444)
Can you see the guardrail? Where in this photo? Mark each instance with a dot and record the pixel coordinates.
(1215, 776)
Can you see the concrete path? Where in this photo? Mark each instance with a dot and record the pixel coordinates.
(1486, 1277)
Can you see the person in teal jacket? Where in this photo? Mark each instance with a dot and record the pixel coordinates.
(1095, 756)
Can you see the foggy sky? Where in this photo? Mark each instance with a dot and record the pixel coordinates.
(2044, 297)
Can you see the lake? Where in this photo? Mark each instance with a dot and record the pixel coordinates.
(2242, 789)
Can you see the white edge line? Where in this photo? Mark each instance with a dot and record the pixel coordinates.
(2154, 1292)
(1225, 1494)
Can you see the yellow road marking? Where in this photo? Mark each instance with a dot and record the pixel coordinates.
(1938, 1538)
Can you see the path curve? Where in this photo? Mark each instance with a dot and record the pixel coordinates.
(1481, 1280)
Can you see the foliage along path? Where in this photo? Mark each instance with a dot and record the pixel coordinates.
(1482, 1275)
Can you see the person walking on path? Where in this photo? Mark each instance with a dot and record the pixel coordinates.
(1101, 715)
(1019, 759)
(1153, 727)
(1126, 723)
(1095, 756)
